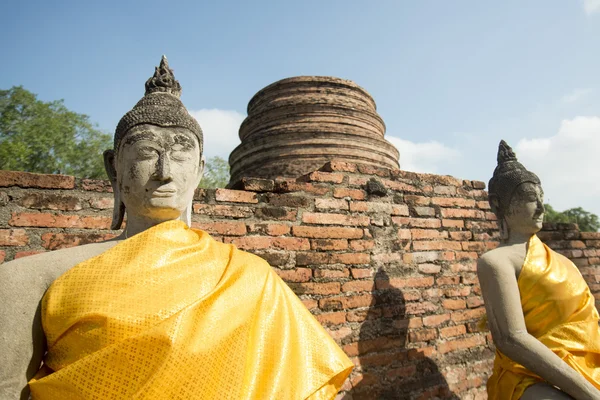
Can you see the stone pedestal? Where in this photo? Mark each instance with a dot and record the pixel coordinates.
(296, 125)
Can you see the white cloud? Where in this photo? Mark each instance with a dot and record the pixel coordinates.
(567, 163)
(576, 94)
(591, 6)
(220, 128)
(431, 157)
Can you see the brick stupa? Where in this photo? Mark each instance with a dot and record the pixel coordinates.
(296, 125)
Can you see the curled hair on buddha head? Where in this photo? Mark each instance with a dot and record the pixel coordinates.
(508, 175)
(160, 106)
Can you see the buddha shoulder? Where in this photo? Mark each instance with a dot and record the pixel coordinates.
(40, 270)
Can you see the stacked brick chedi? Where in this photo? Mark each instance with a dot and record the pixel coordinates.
(384, 259)
(297, 124)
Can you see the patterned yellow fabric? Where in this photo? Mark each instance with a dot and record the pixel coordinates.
(173, 314)
(559, 311)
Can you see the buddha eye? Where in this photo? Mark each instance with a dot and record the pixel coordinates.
(146, 152)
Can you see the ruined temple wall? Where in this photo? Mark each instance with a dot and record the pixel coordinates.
(384, 259)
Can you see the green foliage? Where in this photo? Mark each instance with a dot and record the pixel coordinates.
(587, 221)
(46, 137)
(216, 173)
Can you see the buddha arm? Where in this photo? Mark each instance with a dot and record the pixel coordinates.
(507, 325)
(22, 339)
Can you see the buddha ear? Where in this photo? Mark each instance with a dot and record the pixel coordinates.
(200, 170)
(118, 207)
(494, 203)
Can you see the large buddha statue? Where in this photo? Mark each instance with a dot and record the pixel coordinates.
(163, 311)
(539, 308)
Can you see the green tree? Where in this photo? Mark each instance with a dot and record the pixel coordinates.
(46, 137)
(216, 173)
(587, 221)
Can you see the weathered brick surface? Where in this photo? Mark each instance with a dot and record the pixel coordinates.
(391, 278)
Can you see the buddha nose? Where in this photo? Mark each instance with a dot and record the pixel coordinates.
(163, 168)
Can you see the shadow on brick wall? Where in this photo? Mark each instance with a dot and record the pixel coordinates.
(389, 369)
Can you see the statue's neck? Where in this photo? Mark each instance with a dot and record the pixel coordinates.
(136, 224)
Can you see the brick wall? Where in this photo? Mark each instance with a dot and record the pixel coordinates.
(384, 259)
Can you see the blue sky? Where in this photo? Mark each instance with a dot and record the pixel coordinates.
(450, 78)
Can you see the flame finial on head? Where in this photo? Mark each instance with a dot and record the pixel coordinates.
(505, 153)
(163, 80)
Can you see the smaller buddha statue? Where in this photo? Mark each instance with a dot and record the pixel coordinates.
(539, 308)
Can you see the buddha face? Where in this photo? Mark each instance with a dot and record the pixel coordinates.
(157, 171)
(525, 213)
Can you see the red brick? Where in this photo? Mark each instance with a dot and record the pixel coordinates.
(429, 268)
(358, 286)
(264, 242)
(59, 221)
(457, 291)
(362, 245)
(54, 241)
(420, 353)
(96, 185)
(103, 203)
(404, 234)
(335, 318)
(461, 316)
(464, 266)
(294, 275)
(448, 280)
(400, 209)
(470, 279)
(235, 196)
(445, 190)
(422, 335)
(329, 244)
(2, 256)
(404, 282)
(460, 235)
(31, 180)
(319, 176)
(332, 273)
(453, 202)
(452, 331)
(286, 186)
(403, 187)
(289, 200)
(473, 246)
(424, 211)
(483, 205)
(419, 234)
(386, 258)
(436, 245)
(318, 232)
(420, 307)
(28, 253)
(452, 223)
(359, 206)
(354, 194)
(462, 213)
(338, 166)
(332, 258)
(339, 334)
(346, 302)
(222, 228)
(335, 219)
(461, 344)
(276, 213)
(364, 379)
(454, 304)
(421, 257)
(316, 288)
(474, 301)
(336, 204)
(435, 320)
(257, 184)
(359, 273)
(431, 223)
(310, 303)
(13, 237)
(43, 201)
(415, 200)
(270, 229)
(223, 210)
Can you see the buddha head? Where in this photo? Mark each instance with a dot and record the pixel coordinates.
(515, 195)
(156, 163)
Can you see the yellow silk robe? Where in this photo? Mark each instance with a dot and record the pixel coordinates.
(171, 313)
(559, 311)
